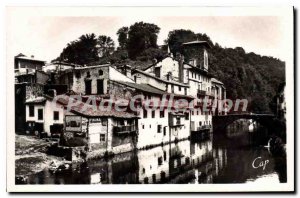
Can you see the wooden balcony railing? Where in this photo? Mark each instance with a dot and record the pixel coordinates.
(124, 129)
(204, 127)
(201, 92)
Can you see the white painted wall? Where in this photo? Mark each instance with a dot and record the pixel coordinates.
(49, 115)
(148, 163)
(118, 76)
(167, 65)
(35, 117)
(149, 134)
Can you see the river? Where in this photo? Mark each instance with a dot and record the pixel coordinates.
(234, 158)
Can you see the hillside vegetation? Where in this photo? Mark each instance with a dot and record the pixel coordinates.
(245, 75)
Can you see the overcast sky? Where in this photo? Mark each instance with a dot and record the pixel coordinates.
(45, 37)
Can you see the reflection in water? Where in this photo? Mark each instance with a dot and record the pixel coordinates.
(206, 161)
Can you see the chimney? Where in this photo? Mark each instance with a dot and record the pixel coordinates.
(32, 56)
(181, 62)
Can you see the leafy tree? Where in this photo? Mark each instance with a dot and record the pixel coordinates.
(245, 75)
(177, 37)
(141, 36)
(105, 46)
(81, 51)
(123, 37)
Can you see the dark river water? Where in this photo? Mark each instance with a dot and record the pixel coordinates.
(233, 158)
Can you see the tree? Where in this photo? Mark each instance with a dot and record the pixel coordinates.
(141, 36)
(177, 37)
(105, 46)
(245, 75)
(81, 51)
(123, 37)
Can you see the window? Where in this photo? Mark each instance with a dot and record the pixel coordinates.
(121, 123)
(102, 137)
(40, 114)
(160, 161)
(100, 72)
(31, 111)
(154, 178)
(178, 120)
(104, 122)
(150, 126)
(179, 88)
(165, 155)
(153, 113)
(163, 175)
(186, 115)
(200, 123)
(159, 127)
(162, 113)
(100, 87)
(165, 131)
(55, 115)
(145, 113)
(88, 74)
(77, 74)
(172, 88)
(88, 87)
(185, 91)
(143, 126)
(157, 72)
(146, 180)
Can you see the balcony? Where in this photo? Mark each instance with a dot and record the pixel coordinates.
(210, 94)
(204, 127)
(201, 92)
(124, 129)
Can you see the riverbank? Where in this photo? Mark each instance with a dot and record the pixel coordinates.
(30, 155)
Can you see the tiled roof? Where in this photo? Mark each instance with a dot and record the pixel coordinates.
(87, 110)
(92, 66)
(63, 63)
(216, 81)
(30, 59)
(143, 87)
(150, 89)
(196, 43)
(165, 81)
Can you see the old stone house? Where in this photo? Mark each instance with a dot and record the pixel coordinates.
(24, 64)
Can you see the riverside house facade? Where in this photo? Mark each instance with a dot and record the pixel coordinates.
(155, 120)
(188, 77)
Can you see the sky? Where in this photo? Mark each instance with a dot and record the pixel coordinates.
(46, 36)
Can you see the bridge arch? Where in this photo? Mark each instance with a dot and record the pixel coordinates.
(221, 122)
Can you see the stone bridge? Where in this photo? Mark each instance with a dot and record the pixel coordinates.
(220, 122)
